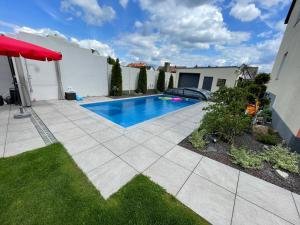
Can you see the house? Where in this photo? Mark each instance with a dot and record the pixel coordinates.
(168, 68)
(211, 78)
(140, 65)
(284, 86)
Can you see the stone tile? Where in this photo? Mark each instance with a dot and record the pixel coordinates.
(268, 196)
(84, 121)
(61, 127)
(138, 135)
(106, 135)
(55, 120)
(119, 145)
(64, 136)
(208, 200)
(153, 128)
(163, 123)
(158, 145)
(218, 173)
(140, 158)
(183, 157)
(172, 136)
(93, 127)
(15, 148)
(3, 130)
(18, 127)
(16, 136)
(246, 213)
(188, 124)
(111, 176)
(185, 131)
(80, 144)
(2, 139)
(1, 151)
(168, 175)
(93, 158)
(77, 116)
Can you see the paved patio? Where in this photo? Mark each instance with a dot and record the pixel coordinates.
(111, 156)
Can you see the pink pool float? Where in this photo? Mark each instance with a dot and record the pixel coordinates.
(176, 99)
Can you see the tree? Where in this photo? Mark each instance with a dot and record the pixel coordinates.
(111, 60)
(171, 82)
(142, 81)
(161, 81)
(116, 80)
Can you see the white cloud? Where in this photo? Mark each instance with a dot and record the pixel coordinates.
(101, 48)
(123, 3)
(42, 31)
(245, 12)
(89, 10)
(138, 24)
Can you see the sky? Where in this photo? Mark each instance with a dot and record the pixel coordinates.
(183, 32)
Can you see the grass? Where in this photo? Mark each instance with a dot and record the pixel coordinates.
(45, 186)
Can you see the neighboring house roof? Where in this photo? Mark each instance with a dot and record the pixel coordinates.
(172, 69)
(290, 12)
(137, 65)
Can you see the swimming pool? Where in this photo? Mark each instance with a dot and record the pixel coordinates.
(128, 112)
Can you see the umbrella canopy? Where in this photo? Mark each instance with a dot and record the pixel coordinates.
(15, 48)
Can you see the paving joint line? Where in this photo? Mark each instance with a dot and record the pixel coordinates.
(236, 189)
(295, 205)
(188, 177)
(266, 210)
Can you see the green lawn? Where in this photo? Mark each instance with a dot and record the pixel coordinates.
(45, 186)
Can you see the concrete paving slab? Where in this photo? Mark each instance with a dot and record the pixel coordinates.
(159, 145)
(80, 144)
(172, 136)
(67, 135)
(218, 173)
(111, 176)
(268, 196)
(15, 148)
(120, 144)
(184, 157)
(105, 135)
(138, 135)
(246, 213)
(208, 200)
(61, 127)
(140, 157)
(93, 158)
(168, 175)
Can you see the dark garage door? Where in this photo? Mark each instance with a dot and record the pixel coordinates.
(189, 80)
(207, 83)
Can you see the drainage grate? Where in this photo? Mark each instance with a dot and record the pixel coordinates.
(45, 133)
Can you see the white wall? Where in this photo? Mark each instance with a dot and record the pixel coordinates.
(85, 72)
(228, 73)
(6, 80)
(287, 86)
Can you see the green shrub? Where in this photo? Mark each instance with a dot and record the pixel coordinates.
(224, 123)
(111, 60)
(197, 139)
(116, 80)
(142, 81)
(266, 114)
(171, 82)
(161, 81)
(271, 138)
(281, 158)
(246, 159)
(262, 78)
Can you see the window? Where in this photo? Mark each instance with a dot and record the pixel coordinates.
(221, 82)
(281, 65)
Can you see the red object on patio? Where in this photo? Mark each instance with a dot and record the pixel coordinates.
(15, 48)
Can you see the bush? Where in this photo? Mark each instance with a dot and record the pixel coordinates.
(161, 81)
(262, 78)
(266, 114)
(111, 60)
(270, 138)
(116, 80)
(142, 81)
(281, 158)
(245, 158)
(171, 82)
(197, 139)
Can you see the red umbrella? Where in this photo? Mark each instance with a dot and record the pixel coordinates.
(13, 47)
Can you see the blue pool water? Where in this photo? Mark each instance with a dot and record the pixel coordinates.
(128, 112)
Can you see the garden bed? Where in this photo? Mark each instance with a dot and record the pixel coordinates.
(220, 152)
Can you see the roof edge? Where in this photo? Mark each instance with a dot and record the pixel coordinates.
(290, 12)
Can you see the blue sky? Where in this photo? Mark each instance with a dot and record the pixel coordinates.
(184, 32)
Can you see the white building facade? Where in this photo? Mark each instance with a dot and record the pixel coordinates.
(285, 81)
